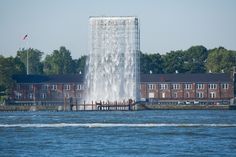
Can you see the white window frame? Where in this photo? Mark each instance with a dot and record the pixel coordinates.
(200, 86)
(67, 95)
(187, 86)
(200, 95)
(67, 87)
(150, 86)
(176, 86)
(18, 95)
(31, 96)
(163, 86)
(187, 95)
(45, 86)
(80, 87)
(212, 94)
(212, 86)
(175, 95)
(163, 95)
(54, 87)
(151, 95)
(43, 95)
(225, 86)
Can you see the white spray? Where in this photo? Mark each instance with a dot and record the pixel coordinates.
(112, 72)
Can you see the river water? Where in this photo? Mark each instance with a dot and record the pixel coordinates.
(135, 133)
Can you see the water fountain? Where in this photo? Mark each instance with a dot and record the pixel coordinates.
(112, 72)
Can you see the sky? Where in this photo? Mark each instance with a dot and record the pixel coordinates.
(165, 25)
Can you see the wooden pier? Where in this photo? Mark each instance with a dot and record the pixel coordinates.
(101, 106)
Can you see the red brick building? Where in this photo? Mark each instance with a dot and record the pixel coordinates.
(187, 88)
(159, 88)
(50, 90)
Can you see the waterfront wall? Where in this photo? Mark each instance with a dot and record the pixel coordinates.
(138, 107)
(184, 107)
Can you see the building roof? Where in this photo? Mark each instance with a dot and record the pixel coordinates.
(187, 77)
(78, 78)
(70, 78)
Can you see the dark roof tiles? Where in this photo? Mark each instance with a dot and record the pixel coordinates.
(187, 77)
(77, 78)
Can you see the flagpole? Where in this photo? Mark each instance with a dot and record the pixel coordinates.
(27, 61)
(27, 54)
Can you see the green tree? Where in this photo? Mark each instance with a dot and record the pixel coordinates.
(8, 67)
(80, 64)
(174, 61)
(151, 62)
(221, 59)
(194, 59)
(34, 60)
(59, 62)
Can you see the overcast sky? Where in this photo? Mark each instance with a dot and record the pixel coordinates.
(164, 24)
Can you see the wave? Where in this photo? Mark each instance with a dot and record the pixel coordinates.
(96, 125)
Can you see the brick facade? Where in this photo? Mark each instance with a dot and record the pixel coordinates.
(187, 91)
(154, 87)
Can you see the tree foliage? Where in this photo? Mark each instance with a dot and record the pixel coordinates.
(34, 60)
(8, 67)
(151, 62)
(196, 59)
(80, 64)
(59, 62)
(220, 59)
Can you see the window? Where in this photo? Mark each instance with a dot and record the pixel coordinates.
(67, 87)
(43, 95)
(67, 95)
(18, 95)
(79, 87)
(31, 87)
(54, 87)
(79, 95)
(200, 86)
(212, 95)
(31, 96)
(18, 87)
(199, 95)
(187, 95)
(176, 86)
(175, 95)
(212, 86)
(151, 95)
(163, 86)
(163, 95)
(188, 86)
(45, 87)
(225, 85)
(150, 86)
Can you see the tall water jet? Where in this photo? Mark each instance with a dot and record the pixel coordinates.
(112, 72)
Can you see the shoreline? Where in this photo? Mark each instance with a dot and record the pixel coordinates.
(139, 107)
(185, 107)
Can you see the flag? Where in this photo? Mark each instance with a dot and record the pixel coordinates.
(25, 36)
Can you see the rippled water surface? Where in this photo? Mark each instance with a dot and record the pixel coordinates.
(139, 133)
